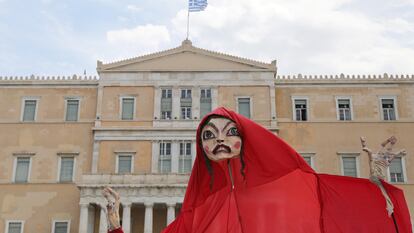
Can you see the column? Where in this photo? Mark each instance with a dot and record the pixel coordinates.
(195, 102)
(214, 98)
(103, 227)
(99, 107)
(83, 218)
(176, 111)
(148, 217)
(157, 102)
(126, 217)
(170, 212)
(95, 156)
(175, 151)
(273, 119)
(155, 156)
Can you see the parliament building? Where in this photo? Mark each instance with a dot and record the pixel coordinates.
(62, 139)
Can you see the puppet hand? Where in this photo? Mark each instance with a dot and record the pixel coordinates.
(112, 208)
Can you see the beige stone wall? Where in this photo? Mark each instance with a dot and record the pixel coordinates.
(39, 204)
(260, 100)
(109, 149)
(144, 106)
(365, 101)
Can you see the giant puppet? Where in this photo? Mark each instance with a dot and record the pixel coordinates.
(247, 180)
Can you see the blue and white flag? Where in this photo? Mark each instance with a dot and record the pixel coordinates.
(196, 5)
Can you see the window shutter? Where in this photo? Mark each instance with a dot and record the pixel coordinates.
(124, 164)
(127, 108)
(61, 227)
(244, 107)
(66, 169)
(29, 110)
(349, 166)
(72, 109)
(15, 227)
(22, 169)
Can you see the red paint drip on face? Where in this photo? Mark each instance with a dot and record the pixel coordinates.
(206, 149)
(237, 145)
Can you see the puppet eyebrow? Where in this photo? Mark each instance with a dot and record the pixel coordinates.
(228, 123)
(213, 126)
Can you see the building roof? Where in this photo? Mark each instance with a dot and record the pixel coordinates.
(186, 58)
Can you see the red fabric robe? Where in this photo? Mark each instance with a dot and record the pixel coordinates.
(280, 193)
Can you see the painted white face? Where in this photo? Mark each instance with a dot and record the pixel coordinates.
(220, 139)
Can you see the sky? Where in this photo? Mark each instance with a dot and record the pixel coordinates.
(312, 37)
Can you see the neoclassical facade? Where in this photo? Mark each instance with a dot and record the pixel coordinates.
(64, 138)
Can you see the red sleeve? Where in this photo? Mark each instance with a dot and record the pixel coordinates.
(118, 230)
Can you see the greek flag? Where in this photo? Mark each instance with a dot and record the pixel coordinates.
(196, 5)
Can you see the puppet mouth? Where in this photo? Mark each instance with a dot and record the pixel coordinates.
(221, 148)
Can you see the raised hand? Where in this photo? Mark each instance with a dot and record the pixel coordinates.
(112, 208)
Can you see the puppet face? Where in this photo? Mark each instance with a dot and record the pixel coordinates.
(221, 139)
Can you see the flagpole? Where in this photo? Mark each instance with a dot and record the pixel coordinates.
(188, 21)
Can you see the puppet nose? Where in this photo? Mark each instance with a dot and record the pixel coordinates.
(220, 140)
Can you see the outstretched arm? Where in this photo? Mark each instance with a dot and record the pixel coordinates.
(398, 154)
(112, 209)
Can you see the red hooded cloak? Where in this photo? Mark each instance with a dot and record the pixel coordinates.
(279, 192)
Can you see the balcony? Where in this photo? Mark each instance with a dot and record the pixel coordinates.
(134, 180)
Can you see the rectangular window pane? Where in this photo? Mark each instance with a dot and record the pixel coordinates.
(205, 102)
(128, 108)
(344, 109)
(396, 170)
(22, 169)
(388, 109)
(15, 227)
(185, 158)
(166, 104)
(308, 160)
(61, 227)
(244, 106)
(29, 110)
(66, 169)
(72, 108)
(349, 166)
(164, 162)
(124, 164)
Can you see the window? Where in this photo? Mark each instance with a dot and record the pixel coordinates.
(14, 227)
(349, 165)
(396, 170)
(166, 104)
(243, 106)
(205, 102)
(308, 157)
(67, 165)
(29, 110)
(22, 170)
(186, 102)
(343, 106)
(124, 164)
(61, 226)
(388, 109)
(185, 159)
(164, 163)
(72, 110)
(300, 107)
(127, 108)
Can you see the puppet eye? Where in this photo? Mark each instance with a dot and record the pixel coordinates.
(208, 135)
(233, 132)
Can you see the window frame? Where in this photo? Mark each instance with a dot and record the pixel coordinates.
(54, 224)
(66, 155)
(14, 221)
(15, 167)
(250, 103)
(188, 144)
(312, 158)
(351, 109)
(355, 155)
(205, 89)
(23, 106)
(394, 98)
(404, 170)
(293, 99)
(159, 170)
(66, 108)
(118, 154)
(121, 98)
